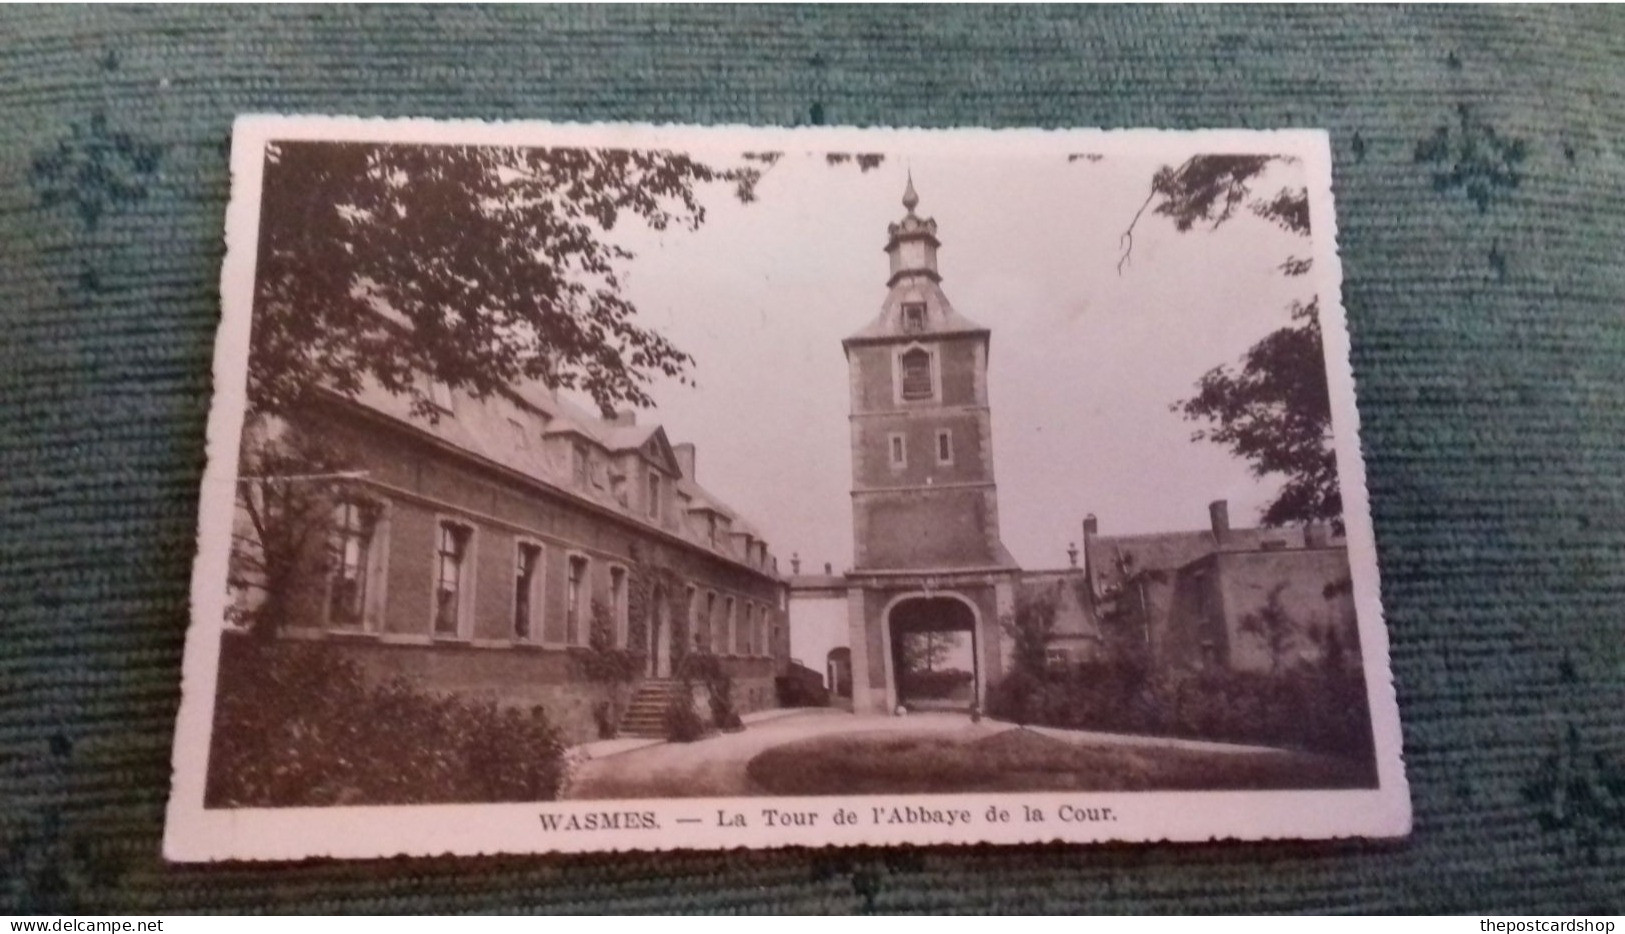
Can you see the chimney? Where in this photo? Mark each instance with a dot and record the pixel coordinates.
(828, 569)
(1314, 535)
(685, 457)
(795, 563)
(1072, 553)
(1219, 512)
(1091, 526)
(624, 419)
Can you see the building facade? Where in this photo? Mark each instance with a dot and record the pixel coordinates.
(496, 546)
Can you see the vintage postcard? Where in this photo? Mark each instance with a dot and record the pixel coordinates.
(618, 487)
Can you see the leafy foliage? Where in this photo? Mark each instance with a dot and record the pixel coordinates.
(296, 725)
(800, 686)
(603, 660)
(1275, 412)
(1318, 705)
(475, 266)
(1210, 189)
(287, 490)
(702, 667)
(864, 160)
(647, 584)
(1030, 628)
(683, 722)
(1314, 707)
(927, 651)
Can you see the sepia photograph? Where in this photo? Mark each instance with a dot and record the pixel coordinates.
(618, 487)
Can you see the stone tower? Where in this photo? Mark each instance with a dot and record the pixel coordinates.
(927, 553)
(923, 495)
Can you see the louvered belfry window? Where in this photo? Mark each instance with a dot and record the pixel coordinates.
(917, 374)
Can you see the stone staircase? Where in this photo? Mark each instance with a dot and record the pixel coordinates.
(646, 713)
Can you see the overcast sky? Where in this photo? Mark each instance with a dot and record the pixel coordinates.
(1084, 363)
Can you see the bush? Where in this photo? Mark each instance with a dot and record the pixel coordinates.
(801, 687)
(1306, 708)
(603, 714)
(937, 684)
(707, 669)
(683, 723)
(296, 726)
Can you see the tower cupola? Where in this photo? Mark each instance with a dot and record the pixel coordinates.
(912, 244)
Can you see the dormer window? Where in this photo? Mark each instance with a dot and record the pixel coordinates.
(914, 317)
(917, 381)
(578, 464)
(654, 495)
(520, 439)
(440, 395)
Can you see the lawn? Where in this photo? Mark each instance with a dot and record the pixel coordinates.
(1022, 760)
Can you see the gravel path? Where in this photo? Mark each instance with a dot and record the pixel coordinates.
(715, 767)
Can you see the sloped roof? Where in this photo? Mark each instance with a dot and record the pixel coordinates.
(1111, 559)
(625, 437)
(507, 429)
(818, 582)
(1074, 611)
(941, 318)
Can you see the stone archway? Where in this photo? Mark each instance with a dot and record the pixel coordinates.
(935, 658)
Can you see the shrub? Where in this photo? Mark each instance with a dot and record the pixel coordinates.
(1309, 707)
(937, 684)
(801, 687)
(707, 669)
(683, 723)
(601, 660)
(603, 714)
(297, 725)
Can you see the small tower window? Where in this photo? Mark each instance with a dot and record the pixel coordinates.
(899, 451)
(945, 447)
(917, 382)
(914, 317)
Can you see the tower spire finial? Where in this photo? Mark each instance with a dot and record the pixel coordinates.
(910, 198)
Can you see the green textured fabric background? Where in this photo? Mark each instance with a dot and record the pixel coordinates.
(1480, 178)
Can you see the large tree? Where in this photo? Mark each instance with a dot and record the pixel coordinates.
(473, 266)
(1273, 409)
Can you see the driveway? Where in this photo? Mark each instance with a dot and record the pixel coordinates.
(715, 767)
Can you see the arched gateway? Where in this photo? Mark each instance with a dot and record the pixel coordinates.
(931, 579)
(933, 653)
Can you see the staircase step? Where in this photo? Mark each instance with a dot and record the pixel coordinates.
(645, 714)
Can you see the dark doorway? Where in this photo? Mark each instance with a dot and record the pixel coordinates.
(659, 637)
(933, 650)
(838, 672)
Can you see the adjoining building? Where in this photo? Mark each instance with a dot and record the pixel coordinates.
(494, 549)
(1255, 600)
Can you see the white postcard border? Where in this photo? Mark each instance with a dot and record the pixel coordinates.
(194, 833)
